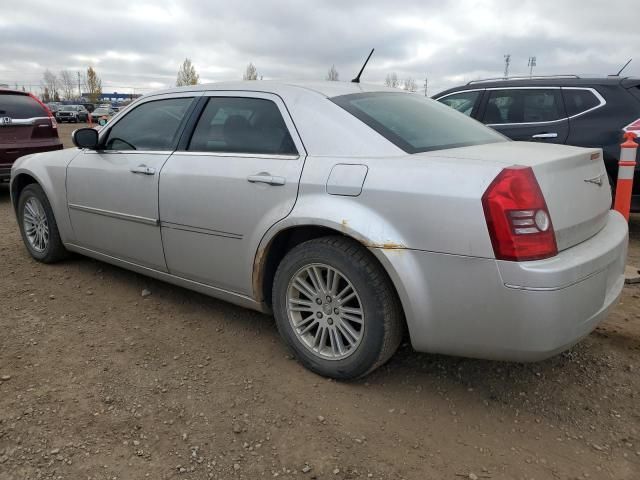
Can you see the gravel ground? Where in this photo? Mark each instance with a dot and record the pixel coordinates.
(98, 381)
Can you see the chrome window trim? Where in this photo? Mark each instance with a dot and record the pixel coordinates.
(237, 155)
(130, 152)
(121, 216)
(600, 98)
(459, 91)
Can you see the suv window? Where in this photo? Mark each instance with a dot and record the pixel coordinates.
(20, 106)
(150, 126)
(242, 125)
(579, 100)
(523, 106)
(415, 123)
(462, 102)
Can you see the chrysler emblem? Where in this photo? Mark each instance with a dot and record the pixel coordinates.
(5, 120)
(595, 180)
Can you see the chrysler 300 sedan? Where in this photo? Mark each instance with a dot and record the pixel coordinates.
(351, 212)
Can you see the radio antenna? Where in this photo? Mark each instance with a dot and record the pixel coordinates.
(625, 66)
(357, 79)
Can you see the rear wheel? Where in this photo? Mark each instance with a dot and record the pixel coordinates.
(336, 308)
(38, 226)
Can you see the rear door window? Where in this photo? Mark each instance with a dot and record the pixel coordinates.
(242, 125)
(464, 102)
(578, 101)
(20, 107)
(523, 106)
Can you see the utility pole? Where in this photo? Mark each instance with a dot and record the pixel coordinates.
(79, 90)
(426, 83)
(507, 62)
(531, 64)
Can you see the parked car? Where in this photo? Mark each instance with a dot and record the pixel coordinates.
(72, 113)
(101, 113)
(350, 211)
(26, 126)
(586, 112)
(53, 107)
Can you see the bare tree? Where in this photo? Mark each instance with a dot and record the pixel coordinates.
(250, 73)
(187, 74)
(332, 74)
(94, 85)
(392, 80)
(46, 98)
(50, 83)
(67, 84)
(410, 85)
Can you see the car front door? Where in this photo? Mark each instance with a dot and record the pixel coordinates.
(527, 114)
(112, 193)
(235, 177)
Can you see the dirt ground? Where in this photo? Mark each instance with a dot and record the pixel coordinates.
(98, 382)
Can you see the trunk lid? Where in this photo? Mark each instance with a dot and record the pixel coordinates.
(573, 181)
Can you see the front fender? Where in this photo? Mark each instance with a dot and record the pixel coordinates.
(49, 170)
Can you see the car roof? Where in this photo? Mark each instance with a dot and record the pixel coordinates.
(12, 91)
(550, 81)
(324, 88)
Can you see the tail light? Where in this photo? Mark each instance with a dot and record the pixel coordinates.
(52, 118)
(517, 217)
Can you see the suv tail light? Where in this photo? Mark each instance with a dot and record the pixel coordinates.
(517, 217)
(52, 118)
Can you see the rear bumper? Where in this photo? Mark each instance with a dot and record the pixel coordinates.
(9, 155)
(518, 311)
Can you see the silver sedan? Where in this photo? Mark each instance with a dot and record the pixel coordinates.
(351, 212)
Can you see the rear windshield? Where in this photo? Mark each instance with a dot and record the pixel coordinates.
(415, 123)
(20, 106)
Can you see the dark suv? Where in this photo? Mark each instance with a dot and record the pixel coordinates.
(586, 112)
(26, 126)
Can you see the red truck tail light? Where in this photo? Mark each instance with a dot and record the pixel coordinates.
(517, 217)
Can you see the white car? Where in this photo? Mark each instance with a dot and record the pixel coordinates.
(350, 211)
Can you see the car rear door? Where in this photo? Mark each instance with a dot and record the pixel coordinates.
(112, 193)
(527, 114)
(234, 176)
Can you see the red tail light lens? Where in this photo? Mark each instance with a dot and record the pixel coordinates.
(52, 118)
(517, 217)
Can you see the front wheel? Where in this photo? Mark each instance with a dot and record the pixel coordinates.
(38, 226)
(336, 309)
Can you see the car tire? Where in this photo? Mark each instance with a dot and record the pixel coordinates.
(325, 337)
(35, 218)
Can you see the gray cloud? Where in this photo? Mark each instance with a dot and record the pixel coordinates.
(140, 44)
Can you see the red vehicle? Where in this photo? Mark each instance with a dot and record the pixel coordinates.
(26, 126)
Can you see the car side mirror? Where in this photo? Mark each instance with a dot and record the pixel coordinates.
(85, 138)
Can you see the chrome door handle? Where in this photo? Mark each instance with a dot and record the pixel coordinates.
(143, 170)
(545, 135)
(266, 178)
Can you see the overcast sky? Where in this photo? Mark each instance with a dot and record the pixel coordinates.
(140, 44)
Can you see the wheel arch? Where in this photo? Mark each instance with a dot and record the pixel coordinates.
(18, 184)
(276, 245)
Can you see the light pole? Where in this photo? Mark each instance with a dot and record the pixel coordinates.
(531, 64)
(507, 62)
